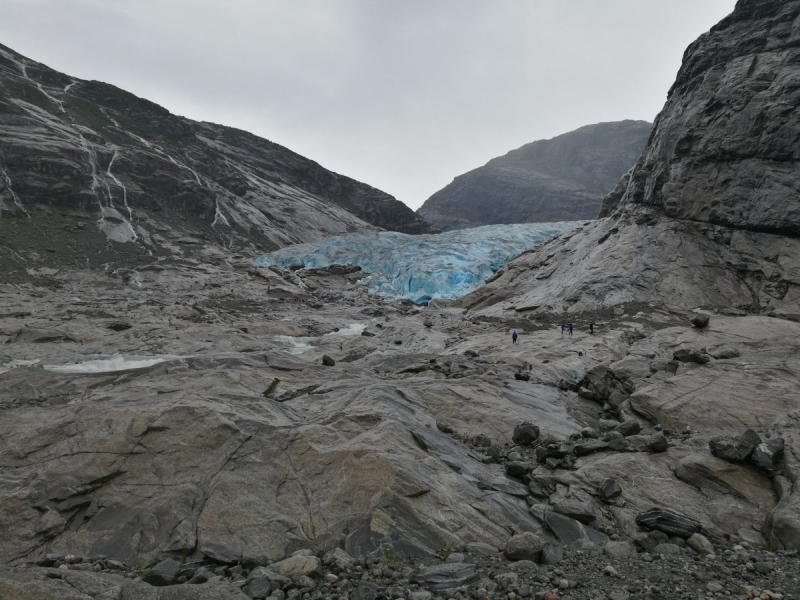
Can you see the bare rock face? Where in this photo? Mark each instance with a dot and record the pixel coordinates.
(561, 179)
(83, 162)
(724, 146)
(709, 215)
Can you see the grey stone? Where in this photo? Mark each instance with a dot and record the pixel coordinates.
(657, 443)
(735, 449)
(571, 507)
(700, 544)
(328, 361)
(768, 455)
(525, 434)
(258, 587)
(297, 566)
(517, 469)
(590, 447)
(668, 521)
(667, 549)
(221, 552)
(447, 576)
(690, 355)
(572, 533)
(164, 573)
(609, 489)
(629, 427)
(524, 546)
(552, 553)
(700, 320)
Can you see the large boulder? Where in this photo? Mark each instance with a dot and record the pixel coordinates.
(735, 449)
(525, 546)
(297, 566)
(669, 522)
(768, 455)
(525, 434)
(164, 573)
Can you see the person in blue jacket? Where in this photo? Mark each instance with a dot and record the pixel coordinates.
(570, 328)
(514, 338)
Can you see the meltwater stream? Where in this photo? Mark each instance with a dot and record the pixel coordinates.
(422, 268)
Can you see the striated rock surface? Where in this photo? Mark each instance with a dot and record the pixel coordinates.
(561, 179)
(83, 162)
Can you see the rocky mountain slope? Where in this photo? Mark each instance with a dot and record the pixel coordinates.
(709, 215)
(561, 179)
(83, 162)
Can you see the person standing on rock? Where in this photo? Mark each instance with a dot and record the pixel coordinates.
(514, 338)
(591, 328)
(570, 328)
(562, 327)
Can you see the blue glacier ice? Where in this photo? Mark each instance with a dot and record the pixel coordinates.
(422, 268)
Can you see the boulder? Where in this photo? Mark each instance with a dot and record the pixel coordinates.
(571, 533)
(667, 549)
(590, 446)
(629, 427)
(339, 558)
(221, 552)
(525, 434)
(164, 573)
(517, 468)
(735, 449)
(525, 546)
(328, 361)
(768, 455)
(688, 355)
(257, 587)
(574, 508)
(481, 549)
(297, 566)
(668, 521)
(552, 553)
(700, 320)
(700, 544)
(657, 443)
(609, 490)
(447, 576)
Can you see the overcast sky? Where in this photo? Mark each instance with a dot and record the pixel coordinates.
(401, 94)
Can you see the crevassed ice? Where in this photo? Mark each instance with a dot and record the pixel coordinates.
(422, 268)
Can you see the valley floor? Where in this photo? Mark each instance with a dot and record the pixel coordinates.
(148, 412)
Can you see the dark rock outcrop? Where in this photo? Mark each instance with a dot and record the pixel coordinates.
(560, 179)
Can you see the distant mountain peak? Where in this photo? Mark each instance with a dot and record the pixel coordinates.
(559, 179)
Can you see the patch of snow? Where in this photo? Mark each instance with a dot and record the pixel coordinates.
(422, 268)
(17, 363)
(301, 344)
(110, 365)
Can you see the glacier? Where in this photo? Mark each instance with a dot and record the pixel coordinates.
(421, 268)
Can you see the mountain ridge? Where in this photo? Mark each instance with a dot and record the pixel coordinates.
(557, 179)
(93, 152)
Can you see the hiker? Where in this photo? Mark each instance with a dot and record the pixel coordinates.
(591, 328)
(570, 328)
(562, 327)
(514, 338)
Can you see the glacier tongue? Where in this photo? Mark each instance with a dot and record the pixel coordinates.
(422, 267)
